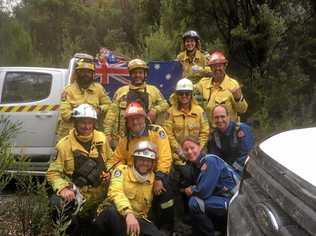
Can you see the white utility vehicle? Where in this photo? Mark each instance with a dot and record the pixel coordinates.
(31, 96)
(277, 195)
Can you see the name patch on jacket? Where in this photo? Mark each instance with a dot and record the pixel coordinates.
(117, 173)
(162, 134)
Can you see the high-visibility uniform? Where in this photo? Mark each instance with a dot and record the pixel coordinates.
(61, 169)
(199, 59)
(73, 96)
(213, 96)
(162, 165)
(115, 123)
(122, 192)
(154, 134)
(180, 124)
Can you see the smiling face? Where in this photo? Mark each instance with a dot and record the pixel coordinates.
(189, 44)
(221, 118)
(136, 123)
(218, 71)
(184, 97)
(143, 165)
(84, 126)
(138, 76)
(192, 150)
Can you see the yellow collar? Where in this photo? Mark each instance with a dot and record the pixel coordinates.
(133, 87)
(221, 85)
(198, 55)
(90, 88)
(97, 140)
(192, 112)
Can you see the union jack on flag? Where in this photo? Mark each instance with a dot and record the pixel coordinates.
(112, 73)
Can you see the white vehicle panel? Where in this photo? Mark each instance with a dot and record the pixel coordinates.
(295, 150)
(38, 127)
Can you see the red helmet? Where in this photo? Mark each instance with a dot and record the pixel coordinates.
(134, 108)
(217, 57)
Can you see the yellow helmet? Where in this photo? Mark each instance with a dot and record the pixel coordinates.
(81, 64)
(137, 64)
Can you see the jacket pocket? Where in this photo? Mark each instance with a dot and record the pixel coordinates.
(130, 195)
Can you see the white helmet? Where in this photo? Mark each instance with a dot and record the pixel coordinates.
(145, 149)
(84, 111)
(184, 85)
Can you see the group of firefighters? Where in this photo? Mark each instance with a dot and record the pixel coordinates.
(120, 165)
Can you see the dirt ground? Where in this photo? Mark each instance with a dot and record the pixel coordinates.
(12, 225)
(9, 223)
(10, 219)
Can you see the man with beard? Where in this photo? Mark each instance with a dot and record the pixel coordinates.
(192, 59)
(139, 91)
(82, 90)
(220, 88)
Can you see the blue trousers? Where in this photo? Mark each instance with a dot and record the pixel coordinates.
(208, 215)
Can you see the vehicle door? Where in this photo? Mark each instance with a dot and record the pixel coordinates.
(32, 98)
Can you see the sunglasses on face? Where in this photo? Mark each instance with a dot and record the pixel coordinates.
(184, 93)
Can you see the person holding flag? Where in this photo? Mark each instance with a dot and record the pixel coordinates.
(138, 90)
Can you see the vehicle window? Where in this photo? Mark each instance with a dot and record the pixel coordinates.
(22, 87)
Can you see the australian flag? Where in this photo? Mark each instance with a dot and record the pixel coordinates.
(164, 75)
(112, 73)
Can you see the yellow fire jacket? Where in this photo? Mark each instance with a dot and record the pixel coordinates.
(128, 194)
(62, 167)
(199, 60)
(180, 124)
(74, 96)
(156, 135)
(114, 122)
(222, 95)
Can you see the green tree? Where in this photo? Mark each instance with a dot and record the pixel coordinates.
(15, 43)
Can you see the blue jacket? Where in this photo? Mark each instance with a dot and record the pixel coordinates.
(234, 144)
(212, 177)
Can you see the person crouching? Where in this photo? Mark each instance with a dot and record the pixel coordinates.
(131, 191)
(211, 185)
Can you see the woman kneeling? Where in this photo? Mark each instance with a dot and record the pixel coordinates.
(212, 183)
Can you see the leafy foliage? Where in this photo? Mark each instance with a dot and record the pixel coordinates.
(8, 131)
(32, 206)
